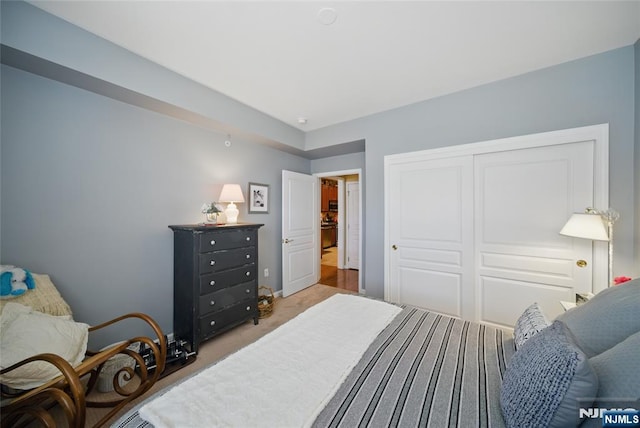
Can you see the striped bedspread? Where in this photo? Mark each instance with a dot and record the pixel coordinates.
(425, 369)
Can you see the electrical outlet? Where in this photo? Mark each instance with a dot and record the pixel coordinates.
(266, 272)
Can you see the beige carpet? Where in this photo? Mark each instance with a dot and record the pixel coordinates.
(231, 341)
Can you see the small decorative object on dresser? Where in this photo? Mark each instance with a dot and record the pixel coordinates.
(210, 212)
(215, 288)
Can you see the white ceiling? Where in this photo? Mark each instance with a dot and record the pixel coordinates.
(280, 59)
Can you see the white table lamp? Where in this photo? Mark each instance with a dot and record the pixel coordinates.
(231, 193)
(595, 225)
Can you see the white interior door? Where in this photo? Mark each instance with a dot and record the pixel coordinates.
(523, 198)
(430, 217)
(353, 225)
(299, 232)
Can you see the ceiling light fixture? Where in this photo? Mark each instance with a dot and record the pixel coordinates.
(327, 15)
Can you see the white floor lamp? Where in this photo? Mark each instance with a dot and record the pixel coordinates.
(591, 225)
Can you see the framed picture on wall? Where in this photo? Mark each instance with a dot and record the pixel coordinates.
(258, 198)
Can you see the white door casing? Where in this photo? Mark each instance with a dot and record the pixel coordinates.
(498, 286)
(342, 220)
(300, 228)
(353, 225)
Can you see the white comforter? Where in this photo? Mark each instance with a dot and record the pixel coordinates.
(292, 371)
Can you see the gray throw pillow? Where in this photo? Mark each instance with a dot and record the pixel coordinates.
(545, 379)
(606, 319)
(618, 371)
(531, 322)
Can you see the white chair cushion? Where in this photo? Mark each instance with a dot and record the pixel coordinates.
(25, 333)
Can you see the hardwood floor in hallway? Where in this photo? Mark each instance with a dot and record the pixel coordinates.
(346, 279)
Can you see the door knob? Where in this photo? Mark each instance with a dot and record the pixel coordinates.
(287, 240)
(581, 263)
(395, 247)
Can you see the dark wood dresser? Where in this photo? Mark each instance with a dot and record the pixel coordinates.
(215, 279)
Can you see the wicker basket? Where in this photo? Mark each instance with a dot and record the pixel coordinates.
(266, 301)
(113, 365)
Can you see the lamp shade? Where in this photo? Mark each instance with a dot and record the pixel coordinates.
(585, 225)
(231, 193)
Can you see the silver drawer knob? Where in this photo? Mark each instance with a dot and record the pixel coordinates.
(248, 256)
(212, 303)
(213, 242)
(248, 238)
(212, 262)
(212, 323)
(248, 291)
(212, 283)
(248, 308)
(248, 273)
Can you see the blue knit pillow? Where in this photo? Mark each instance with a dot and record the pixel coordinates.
(545, 379)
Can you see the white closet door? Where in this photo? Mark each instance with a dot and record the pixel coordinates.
(473, 231)
(430, 213)
(522, 200)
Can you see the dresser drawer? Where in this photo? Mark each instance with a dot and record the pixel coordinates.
(218, 280)
(210, 324)
(227, 297)
(225, 259)
(227, 240)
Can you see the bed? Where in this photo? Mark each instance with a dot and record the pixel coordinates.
(404, 366)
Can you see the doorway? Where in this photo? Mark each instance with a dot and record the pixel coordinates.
(340, 231)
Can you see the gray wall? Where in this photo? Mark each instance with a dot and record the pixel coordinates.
(637, 158)
(89, 186)
(339, 163)
(593, 90)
